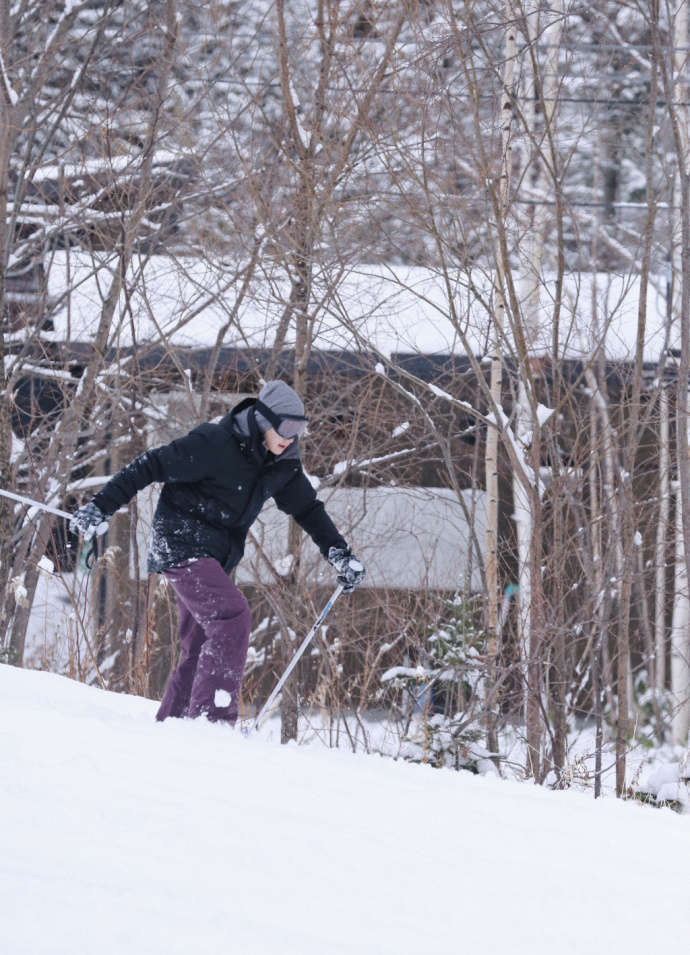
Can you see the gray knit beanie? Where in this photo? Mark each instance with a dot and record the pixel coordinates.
(280, 398)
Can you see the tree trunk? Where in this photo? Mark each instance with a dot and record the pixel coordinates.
(58, 457)
(680, 644)
(631, 445)
(680, 675)
(7, 127)
(539, 108)
(660, 550)
(492, 437)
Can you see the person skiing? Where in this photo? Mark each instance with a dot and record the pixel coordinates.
(215, 481)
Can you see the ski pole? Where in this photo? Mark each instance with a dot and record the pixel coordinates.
(30, 501)
(90, 555)
(293, 663)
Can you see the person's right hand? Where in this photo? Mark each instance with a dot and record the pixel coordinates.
(89, 520)
(350, 570)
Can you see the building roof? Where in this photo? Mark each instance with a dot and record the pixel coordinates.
(375, 310)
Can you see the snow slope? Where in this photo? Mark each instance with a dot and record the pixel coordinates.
(120, 835)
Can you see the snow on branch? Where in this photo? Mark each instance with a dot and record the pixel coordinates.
(517, 452)
(69, 12)
(43, 371)
(499, 421)
(343, 467)
(440, 393)
(630, 48)
(10, 93)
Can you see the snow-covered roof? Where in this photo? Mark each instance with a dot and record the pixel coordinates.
(373, 307)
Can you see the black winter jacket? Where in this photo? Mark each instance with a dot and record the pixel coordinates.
(215, 482)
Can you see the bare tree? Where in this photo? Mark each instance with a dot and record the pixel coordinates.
(61, 443)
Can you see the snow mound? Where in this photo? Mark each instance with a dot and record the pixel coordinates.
(122, 835)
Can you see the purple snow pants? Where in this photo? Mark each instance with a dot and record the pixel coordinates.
(214, 625)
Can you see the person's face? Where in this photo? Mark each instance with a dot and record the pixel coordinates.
(275, 442)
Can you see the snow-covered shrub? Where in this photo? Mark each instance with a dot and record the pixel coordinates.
(440, 697)
(653, 711)
(7, 655)
(664, 785)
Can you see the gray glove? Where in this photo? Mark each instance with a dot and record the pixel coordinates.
(350, 570)
(89, 520)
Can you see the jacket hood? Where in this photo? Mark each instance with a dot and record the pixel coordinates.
(281, 399)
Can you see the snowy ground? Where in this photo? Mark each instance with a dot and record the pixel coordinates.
(120, 835)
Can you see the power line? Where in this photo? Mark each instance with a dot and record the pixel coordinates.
(273, 86)
(605, 47)
(596, 100)
(582, 100)
(593, 205)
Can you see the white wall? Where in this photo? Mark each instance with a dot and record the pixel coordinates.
(412, 538)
